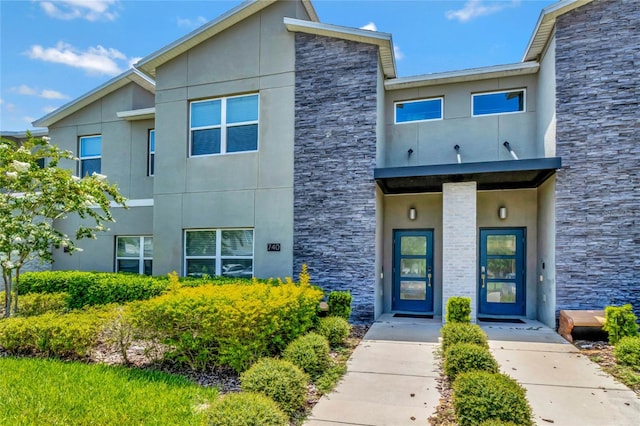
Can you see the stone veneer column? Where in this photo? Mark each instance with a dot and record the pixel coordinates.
(334, 225)
(598, 138)
(459, 244)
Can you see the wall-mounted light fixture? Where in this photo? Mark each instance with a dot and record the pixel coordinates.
(502, 213)
(412, 213)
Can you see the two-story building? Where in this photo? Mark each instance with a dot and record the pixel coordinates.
(267, 139)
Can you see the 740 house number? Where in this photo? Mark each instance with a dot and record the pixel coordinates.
(273, 246)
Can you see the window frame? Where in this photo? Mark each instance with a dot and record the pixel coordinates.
(436, 98)
(495, 92)
(218, 257)
(82, 158)
(223, 126)
(141, 257)
(151, 153)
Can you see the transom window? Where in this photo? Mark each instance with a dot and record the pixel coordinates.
(419, 110)
(152, 152)
(90, 155)
(224, 125)
(226, 252)
(134, 254)
(505, 102)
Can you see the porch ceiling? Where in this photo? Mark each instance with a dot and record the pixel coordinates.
(509, 174)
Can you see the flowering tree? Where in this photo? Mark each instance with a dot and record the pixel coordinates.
(33, 196)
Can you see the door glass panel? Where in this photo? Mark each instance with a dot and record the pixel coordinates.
(501, 245)
(413, 290)
(501, 292)
(501, 268)
(413, 267)
(413, 246)
(128, 247)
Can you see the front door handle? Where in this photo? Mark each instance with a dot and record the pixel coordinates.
(482, 275)
(429, 276)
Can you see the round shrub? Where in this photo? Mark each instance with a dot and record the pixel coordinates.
(627, 351)
(480, 396)
(455, 332)
(463, 357)
(278, 379)
(245, 409)
(335, 329)
(339, 304)
(309, 352)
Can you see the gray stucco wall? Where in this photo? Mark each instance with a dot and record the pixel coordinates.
(597, 196)
(334, 157)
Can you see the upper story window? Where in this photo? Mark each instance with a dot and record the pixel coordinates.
(90, 155)
(134, 254)
(420, 110)
(504, 102)
(226, 252)
(152, 153)
(224, 125)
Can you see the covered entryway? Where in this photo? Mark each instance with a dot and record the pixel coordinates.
(502, 275)
(413, 271)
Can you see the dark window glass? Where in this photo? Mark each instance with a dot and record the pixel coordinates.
(430, 109)
(242, 138)
(498, 103)
(88, 167)
(200, 267)
(205, 142)
(129, 265)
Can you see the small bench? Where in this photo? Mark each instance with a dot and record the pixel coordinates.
(571, 319)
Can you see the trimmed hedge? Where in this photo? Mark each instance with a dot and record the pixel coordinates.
(278, 379)
(619, 322)
(455, 332)
(39, 303)
(627, 351)
(459, 309)
(340, 304)
(335, 329)
(479, 396)
(70, 335)
(245, 409)
(230, 324)
(464, 357)
(310, 353)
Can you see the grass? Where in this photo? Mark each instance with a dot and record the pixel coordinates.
(52, 392)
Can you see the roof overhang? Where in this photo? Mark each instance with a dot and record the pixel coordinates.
(137, 114)
(472, 74)
(130, 76)
(509, 174)
(36, 133)
(150, 63)
(384, 41)
(545, 25)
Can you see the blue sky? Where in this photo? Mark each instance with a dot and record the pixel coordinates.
(54, 51)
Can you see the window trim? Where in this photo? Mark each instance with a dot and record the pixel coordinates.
(395, 116)
(524, 101)
(89, 157)
(141, 257)
(150, 169)
(218, 251)
(223, 125)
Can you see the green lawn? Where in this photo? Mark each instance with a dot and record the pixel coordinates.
(51, 392)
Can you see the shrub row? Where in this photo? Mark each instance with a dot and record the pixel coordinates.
(480, 392)
(458, 309)
(627, 352)
(40, 303)
(335, 329)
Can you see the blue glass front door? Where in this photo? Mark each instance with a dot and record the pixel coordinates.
(413, 274)
(501, 277)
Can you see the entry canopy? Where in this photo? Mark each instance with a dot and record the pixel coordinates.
(507, 174)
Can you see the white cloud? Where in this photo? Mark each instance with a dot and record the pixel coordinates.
(52, 94)
(95, 60)
(91, 10)
(10, 107)
(1, 101)
(23, 89)
(475, 8)
(49, 109)
(397, 52)
(28, 119)
(371, 26)
(191, 23)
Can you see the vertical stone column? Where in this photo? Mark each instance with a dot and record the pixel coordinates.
(459, 243)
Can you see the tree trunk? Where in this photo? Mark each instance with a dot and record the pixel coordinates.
(7, 294)
(15, 293)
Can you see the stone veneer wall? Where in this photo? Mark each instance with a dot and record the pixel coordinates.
(334, 157)
(598, 138)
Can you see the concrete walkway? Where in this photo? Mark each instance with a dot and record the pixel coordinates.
(391, 378)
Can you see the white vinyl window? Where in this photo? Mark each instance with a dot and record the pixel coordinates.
(223, 125)
(134, 254)
(152, 153)
(418, 110)
(90, 155)
(225, 252)
(503, 102)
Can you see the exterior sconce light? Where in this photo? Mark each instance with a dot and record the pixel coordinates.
(502, 213)
(412, 213)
